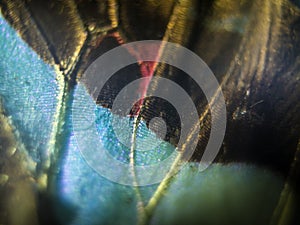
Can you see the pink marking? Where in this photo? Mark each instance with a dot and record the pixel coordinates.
(147, 68)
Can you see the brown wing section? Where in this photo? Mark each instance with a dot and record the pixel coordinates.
(52, 28)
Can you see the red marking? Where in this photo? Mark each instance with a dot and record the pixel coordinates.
(147, 68)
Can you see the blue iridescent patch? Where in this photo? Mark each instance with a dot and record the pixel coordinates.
(29, 91)
(121, 151)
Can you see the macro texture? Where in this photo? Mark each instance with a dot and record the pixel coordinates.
(252, 48)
